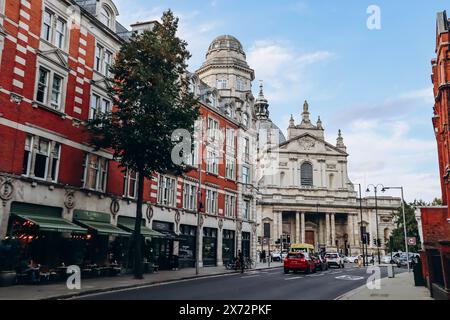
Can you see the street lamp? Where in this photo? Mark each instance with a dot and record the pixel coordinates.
(404, 223)
(375, 187)
(361, 224)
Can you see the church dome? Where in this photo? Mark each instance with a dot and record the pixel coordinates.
(268, 125)
(226, 42)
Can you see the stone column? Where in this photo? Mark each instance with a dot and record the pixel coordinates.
(297, 227)
(333, 230)
(280, 224)
(350, 231)
(219, 259)
(302, 218)
(327, 229)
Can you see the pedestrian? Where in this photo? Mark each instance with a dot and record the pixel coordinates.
(263, 256)
(241, 260)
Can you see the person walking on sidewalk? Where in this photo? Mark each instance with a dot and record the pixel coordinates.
(241, 261)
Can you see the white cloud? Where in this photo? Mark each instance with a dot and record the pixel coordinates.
(283, 68)
(426, 95)
(384, 152)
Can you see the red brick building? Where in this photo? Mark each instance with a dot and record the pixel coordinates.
(54, 56)
(435, 222)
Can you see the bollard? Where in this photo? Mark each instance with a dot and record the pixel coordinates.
(391, 271)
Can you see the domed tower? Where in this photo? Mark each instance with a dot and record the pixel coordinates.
(226, 69)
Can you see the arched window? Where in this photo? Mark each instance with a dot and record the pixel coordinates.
(245, 119)
(306, 174)
(105, 16)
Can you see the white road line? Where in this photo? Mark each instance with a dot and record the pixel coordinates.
(253, 276)
(336, 272)
(293, 278)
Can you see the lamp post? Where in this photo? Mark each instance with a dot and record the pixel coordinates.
(375, 187)
(404, 223)
(361, 223)
(199, 199)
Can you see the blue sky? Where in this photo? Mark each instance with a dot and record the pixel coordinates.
(373, 84)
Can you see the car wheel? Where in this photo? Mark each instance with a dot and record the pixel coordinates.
(355, 261)
(286, 270)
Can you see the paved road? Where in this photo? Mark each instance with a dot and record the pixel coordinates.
(270, 284)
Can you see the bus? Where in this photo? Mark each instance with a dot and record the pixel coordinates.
(302, 247)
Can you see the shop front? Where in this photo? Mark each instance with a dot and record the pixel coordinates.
(44, 236)
(98, 247)
(228, 253)
(246, 244)
(166, 249)
(209, 246)
(188, 246)
(148, 238)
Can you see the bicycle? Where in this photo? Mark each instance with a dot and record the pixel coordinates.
(249, 263)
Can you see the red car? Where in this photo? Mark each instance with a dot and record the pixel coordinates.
(299, 261)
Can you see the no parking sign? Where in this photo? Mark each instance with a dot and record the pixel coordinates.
(411, 241)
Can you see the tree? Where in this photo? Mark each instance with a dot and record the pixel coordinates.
(151, 100)
(412, 229)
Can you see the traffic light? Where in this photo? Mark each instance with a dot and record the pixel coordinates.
(375, 244)
(378, 243)
(288, 238)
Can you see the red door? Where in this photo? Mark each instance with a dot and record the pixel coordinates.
(309, 237)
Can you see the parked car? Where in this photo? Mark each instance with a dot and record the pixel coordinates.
(359, 257)
(320, 262)
(334, 259)
(386, 259)
(278, 256)
(299, 261)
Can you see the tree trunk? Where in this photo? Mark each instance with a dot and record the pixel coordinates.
(137, 238)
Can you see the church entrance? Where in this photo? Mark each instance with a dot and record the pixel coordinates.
(309, 237)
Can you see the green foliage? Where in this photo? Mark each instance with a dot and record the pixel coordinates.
(411, 224)
(151, 98)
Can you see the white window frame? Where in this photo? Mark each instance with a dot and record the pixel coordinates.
(230, 205)
(95, 111)
(230, 168)
(189, 196)
(212, 197)
(240, 84)
(222, 84)
(101, 179)
(50, 156)
(230, 141)
(212, 161)
(166, 190)
(244, 169)
(246, 208)
(109, 16)
(52, 37)
(128, 181)
(213, 129)
(52, 72)
(101, 63)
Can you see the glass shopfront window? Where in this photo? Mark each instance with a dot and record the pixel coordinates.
(246, 244)
(228, 253)
(209, 247)
(187, 249)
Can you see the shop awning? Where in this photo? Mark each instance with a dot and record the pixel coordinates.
(98, 221)
(104, 228)
(146, 232)
(45, 217)
(55, 224)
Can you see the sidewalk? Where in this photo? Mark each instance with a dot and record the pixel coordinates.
(59, 290)
(399, 288)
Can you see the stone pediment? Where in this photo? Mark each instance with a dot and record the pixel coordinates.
(55, 56)
(309, 143)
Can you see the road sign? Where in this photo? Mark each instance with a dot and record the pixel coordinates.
(411, 241)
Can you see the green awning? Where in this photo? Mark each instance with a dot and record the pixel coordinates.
(46, 217)
(46, 223)
(146, 232)
(104, 228)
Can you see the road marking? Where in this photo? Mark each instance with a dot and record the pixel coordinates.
(316, 275)
(252, 276)
(336, 272)
(293, 278)
(351, 278)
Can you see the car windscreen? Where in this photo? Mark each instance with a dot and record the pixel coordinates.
(331, 256)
